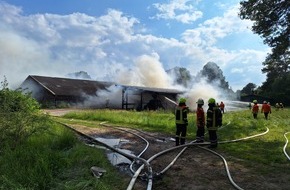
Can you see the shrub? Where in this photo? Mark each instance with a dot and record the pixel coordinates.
(19, 117)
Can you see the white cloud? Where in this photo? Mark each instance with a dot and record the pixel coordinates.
(105, 46)
(209, 32)
(179, 10)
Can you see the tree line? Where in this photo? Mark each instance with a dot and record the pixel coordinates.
(271, 20)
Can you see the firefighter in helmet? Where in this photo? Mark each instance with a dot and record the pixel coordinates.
(200, 121)
(255, 109)
(213, 121)
(181, 121)
(266, 109)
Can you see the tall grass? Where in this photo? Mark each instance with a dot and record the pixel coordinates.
(55, 160)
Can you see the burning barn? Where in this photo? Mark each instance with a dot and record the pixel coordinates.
(59, 92)
(53, 91)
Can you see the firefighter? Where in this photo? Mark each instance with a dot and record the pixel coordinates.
(200, 121)
(281, 106)
(181, 121)
(266, 109)
(213, 121)
(222, 107)
(277, 106)
(255, 109)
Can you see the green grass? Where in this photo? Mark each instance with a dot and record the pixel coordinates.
(266, 149)
(56, 159)
(146, 120)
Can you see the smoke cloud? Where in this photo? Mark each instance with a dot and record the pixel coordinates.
(148, 71)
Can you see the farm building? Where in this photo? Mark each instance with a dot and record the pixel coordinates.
(58, 92)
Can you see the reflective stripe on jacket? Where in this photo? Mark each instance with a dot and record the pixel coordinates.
(181, 115)
(213, 118)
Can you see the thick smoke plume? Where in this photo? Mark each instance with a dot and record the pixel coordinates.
(147, 71)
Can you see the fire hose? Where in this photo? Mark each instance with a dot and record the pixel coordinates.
(130, 157)
(185, 146)
(284, 148)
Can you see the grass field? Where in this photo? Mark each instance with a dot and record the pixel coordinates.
(57, 160)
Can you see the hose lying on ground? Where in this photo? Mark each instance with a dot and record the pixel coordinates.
(130, 157)
(285, 146)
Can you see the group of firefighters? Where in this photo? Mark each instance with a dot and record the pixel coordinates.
(266, 108)
(212, 121)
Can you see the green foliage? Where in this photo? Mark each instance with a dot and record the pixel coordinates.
(15, 101)
(55, 160)
(19, 117)
(277, 69)
(271, 21)
(214, 75)
(248, 89)
(183, 76)
(278, 88)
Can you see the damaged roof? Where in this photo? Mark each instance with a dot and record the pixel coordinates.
(74, 87)
(70, 87)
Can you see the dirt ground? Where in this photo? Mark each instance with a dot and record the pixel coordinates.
(196, 168)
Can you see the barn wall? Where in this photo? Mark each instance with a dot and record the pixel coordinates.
(38, 92)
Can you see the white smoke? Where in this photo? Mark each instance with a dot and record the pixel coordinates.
(148, 71)
(201, 90)
(109, 98)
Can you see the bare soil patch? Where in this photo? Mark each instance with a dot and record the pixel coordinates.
(196, 168)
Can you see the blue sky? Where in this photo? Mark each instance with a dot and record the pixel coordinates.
(127, 41)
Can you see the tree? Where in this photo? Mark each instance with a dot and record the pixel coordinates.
(275, 68)
(182, 76)
(213, 74)
(281, 89)
(271, 21)
(248, 89)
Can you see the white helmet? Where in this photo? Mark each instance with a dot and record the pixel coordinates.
(200, 101)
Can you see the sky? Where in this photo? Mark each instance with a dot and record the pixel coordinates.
(127, 41)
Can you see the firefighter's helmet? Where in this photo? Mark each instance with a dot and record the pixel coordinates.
(200, 101)
(182, 100)
(211, 101)
(255, 101)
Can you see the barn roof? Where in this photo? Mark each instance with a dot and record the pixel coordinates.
(70, 87)
(74, 87)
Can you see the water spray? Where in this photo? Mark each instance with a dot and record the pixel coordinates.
(168, 99)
